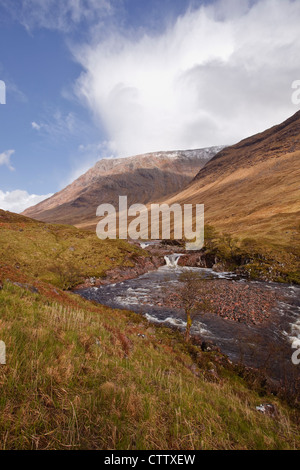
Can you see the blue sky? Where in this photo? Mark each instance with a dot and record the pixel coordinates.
(87, 79)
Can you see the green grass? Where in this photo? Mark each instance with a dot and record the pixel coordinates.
(78, 376)
(59, 254)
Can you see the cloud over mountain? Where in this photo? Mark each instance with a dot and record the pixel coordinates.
(213, 77)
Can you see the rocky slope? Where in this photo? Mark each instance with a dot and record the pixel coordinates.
(143, 178)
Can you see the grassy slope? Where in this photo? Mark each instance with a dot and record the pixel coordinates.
(261, 202)
(79, 376)
(60, 254)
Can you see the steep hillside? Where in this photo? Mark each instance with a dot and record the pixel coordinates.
(142, 178)
(252, 189)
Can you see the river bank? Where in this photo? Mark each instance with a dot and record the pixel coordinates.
(157, 252)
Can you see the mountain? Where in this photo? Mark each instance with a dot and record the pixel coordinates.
(252, 189)
(143, 178)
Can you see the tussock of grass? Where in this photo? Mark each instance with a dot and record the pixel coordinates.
(78, 376)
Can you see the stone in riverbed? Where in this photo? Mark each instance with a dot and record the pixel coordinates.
(267, 409)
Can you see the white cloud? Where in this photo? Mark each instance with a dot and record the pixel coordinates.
(35, 126)
(14, 90)
(59, 125)
(5, 159)
(18, 200)
(56, 14)
(220, 73)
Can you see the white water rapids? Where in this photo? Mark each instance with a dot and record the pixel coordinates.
(249, 343)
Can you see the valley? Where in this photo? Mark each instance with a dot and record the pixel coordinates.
(97, 329)
(149, 228)
(69, 355)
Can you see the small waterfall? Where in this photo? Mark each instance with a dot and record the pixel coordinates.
(172, 260)
(144, 245)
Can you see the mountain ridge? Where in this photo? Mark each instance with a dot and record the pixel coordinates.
(252, 188)
(143, 178)
(259, 140)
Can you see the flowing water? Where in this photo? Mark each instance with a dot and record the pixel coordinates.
(172, 260)
(266, 345)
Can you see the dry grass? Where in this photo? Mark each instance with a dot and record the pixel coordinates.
(78, 376)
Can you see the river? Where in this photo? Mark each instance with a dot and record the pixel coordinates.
(267, 345)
